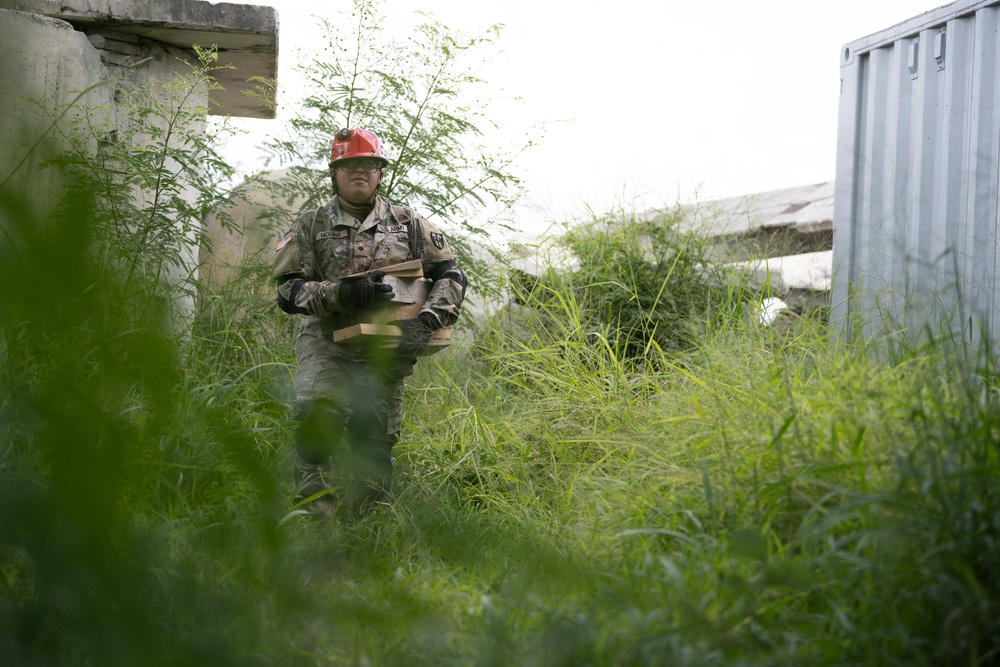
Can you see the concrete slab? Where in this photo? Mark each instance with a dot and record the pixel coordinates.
(805, 208)
(246, 36)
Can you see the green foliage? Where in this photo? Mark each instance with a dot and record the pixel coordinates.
(152, 173)
(133, 495)
(766, 499)
(649, 286)
(748, 497)
(423, 98)
(104, 450)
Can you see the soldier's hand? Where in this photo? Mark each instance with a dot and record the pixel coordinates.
(416, 335)
(364, 292)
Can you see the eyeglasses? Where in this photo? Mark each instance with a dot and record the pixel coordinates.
(370, 165)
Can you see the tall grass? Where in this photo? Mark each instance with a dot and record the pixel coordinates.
(743, 495)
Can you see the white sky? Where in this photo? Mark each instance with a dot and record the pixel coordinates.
(662, 100)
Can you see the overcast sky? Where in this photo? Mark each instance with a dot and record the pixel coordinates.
(648, 101)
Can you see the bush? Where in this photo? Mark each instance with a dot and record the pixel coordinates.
(650, 288)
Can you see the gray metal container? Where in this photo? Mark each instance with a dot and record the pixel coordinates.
(918, 178)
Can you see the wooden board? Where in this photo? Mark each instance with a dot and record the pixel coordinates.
(388, 335)
(390, 313)
(410, 292)
(411, 269)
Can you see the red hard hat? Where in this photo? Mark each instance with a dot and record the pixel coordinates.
(356, 143)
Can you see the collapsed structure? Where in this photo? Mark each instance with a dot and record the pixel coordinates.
(783, 237)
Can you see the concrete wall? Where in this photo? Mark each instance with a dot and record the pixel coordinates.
(76, 51)
(246, 34)
(244, 231)
(46, 60)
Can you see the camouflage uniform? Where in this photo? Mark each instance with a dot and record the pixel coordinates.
(350, 391)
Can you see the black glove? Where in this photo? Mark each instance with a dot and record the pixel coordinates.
(363, 292)
(416, 334)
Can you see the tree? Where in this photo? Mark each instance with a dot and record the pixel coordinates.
(424, 99)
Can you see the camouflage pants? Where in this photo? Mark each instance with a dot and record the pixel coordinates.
(350, 412)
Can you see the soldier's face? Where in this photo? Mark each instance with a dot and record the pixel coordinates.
(355, 183)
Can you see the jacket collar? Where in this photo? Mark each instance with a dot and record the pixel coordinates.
(381, 210)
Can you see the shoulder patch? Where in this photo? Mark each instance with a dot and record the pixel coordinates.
(437, 239)
(285, 240)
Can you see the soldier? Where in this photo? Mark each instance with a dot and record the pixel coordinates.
(352, 394)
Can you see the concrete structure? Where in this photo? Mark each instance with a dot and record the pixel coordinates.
(789, 221)
(785, 236)
(245, 230)
(57, 52)
(246, 36)
(918, 177)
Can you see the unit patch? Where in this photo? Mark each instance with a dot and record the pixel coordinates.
(283, 242)
(438, 240)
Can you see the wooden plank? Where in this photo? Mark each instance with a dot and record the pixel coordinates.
(358, 332)
(388, 335)
(391, 312)
(414, 268)
(409, 273)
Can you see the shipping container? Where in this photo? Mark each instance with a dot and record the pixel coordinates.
(918, 178)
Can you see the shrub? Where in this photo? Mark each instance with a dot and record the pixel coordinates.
(654, 285)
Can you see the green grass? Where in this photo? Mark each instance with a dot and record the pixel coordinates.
(754, 497)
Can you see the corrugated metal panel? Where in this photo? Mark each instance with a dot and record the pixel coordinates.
(918, 175)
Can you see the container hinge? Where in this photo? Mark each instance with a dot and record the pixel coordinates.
(940, 47)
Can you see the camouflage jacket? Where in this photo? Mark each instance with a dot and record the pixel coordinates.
(326, 244)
